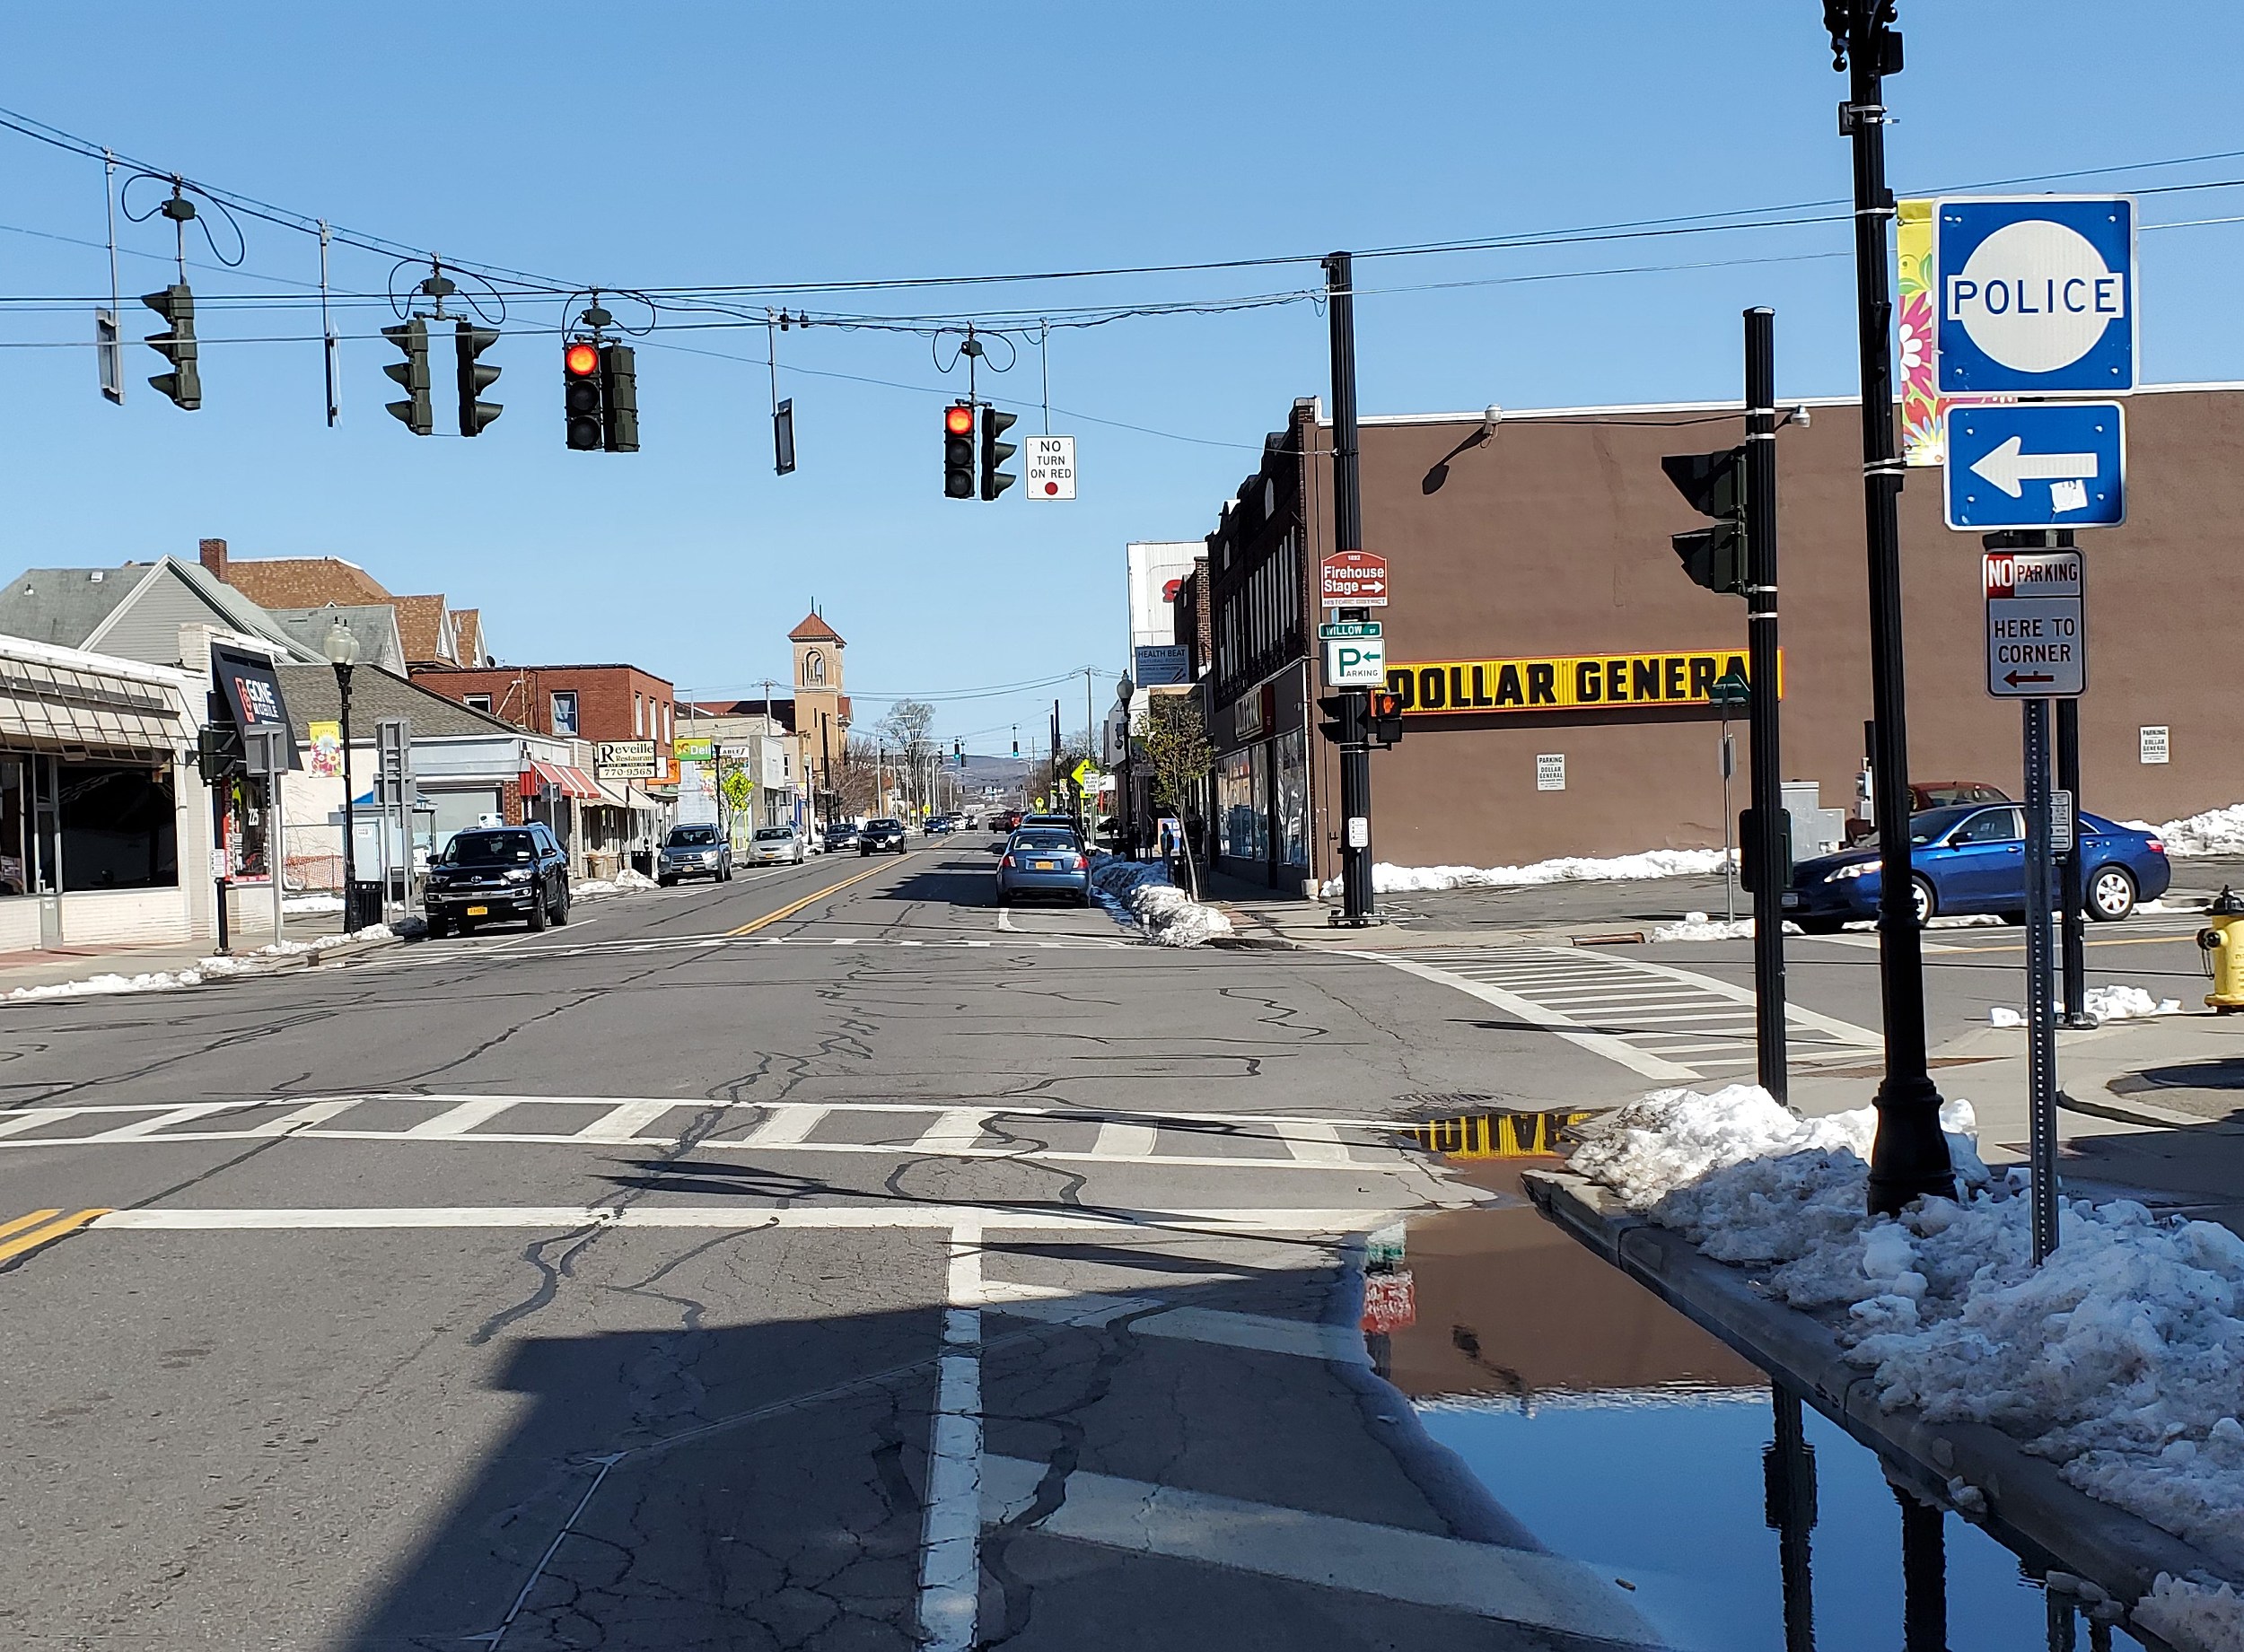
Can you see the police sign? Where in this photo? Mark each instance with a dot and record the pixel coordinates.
(2036, 295)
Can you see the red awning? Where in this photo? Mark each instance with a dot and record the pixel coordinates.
(561, 778)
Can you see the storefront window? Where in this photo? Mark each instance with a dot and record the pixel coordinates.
(1239, 794)
(119, 830)
(16, 860)
(1289, 803)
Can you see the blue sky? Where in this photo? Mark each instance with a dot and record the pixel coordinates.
(672, 145)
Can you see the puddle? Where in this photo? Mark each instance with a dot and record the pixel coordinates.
(1623, 1436)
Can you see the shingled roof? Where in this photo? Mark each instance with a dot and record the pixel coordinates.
(814, 629)
(301, 581)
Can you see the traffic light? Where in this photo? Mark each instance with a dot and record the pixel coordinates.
(184, 383)
(958, 452)
(580, 394)
(1343, 724)
(1714, 485)
(995, 452)
(1386, 713)
(474, 377)
(957, 752)
(412, 374)
(619, 397)
(218, 751)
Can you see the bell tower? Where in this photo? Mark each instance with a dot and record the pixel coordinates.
(821, 711)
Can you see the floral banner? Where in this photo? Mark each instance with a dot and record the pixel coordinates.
(1921, 437)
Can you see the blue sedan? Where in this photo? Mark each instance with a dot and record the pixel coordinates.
(1044, 860)
(1971, 857)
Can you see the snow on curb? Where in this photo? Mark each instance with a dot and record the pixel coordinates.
(210, 969)
(2206, 1615)
(630, 880)
(1699, 926)
(1169, 917)
(2121, 1359)
(1390, 880)
(2106, 1003)
(293, 905)
(2217, 831)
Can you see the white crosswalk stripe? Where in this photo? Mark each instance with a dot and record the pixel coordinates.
(941, 1129)
(421, 956)
(1665, 1023)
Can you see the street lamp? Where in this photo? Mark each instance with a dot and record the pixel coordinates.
(341, 649)
(1125, 800)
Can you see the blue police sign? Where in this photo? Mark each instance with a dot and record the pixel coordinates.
(2037, 295)
(2037, 464)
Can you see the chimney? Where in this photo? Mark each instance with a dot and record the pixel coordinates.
(215, 558)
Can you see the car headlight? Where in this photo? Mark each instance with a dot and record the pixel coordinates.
(518, 874)
(1860, 868)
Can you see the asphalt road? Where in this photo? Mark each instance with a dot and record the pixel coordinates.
(825, 1259)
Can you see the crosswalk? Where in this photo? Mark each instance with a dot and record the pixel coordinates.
(908, 1129)
(1673, 1025)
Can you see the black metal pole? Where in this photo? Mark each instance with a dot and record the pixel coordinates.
(1788, 1483)
(1771, 829)
(221, 798)
(1910, 1157)
(351, 914)
(2072, 892)
(1356, 907)
(1924, 1576)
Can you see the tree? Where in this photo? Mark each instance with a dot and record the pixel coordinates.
(1178, 752)
(904, 733)
(853, 782)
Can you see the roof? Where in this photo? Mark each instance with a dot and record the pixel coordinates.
(422, 629)
(376, 694)
(814, 629)
(63, 605)
(303, 582)
(375, 625)
(467, 630)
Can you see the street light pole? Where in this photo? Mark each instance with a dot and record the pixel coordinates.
(1910, 1156)
(342, 652)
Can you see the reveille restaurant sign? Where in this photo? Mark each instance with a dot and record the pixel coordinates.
(1566, 681)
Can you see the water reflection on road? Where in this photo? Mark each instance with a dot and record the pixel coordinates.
(1621, 1435)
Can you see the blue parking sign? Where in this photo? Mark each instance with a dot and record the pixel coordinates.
(2037, 295)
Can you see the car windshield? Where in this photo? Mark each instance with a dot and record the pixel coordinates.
(489, 848)
(885, 825)
(693, 836)
(1934, 823)
(771, 835)
(1044, 837)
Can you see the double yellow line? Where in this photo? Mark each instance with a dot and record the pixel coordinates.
(808, 900)
(27, 1234)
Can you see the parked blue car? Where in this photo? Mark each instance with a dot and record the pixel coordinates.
(1971, 857)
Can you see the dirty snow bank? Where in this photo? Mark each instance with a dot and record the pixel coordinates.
(2121, 1359)
(2217, 831)
(2106, 1003)
(1390, 880)
(316, 901)
(208, 969)
(630, 880)
(2205, 1616)
(1699, 926)
(1169, 917)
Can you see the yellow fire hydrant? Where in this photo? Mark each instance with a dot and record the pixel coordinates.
(2223, 943)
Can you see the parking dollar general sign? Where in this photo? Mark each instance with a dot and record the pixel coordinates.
(1565, 682)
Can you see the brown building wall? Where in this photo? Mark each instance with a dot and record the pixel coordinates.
(523, 697)
(1550, 538)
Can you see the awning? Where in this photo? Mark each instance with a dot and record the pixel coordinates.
(614, 796)
(562, 778)
(73, 709)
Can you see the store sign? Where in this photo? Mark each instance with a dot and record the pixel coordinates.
(1565, 682)
(691, 748)
(626, 760)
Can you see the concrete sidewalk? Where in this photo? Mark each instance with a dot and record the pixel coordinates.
(65, 964)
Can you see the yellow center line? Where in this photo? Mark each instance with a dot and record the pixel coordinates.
(24, 1242)
(2131, 940)
(789, 910)
(22, 1222)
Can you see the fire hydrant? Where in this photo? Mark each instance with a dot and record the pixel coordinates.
(2223, 944)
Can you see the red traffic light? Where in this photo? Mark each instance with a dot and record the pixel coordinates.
(1386, 704)
(958, 419)
(580, 361)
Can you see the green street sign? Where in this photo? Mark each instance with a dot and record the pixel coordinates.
(1335, 630)
(1730, 689)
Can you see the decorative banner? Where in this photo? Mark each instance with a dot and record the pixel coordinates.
(1924, 433)
(327, 749)
(1469, 687)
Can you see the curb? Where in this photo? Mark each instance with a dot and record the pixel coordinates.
(2103, 1103)
(2027, 1505)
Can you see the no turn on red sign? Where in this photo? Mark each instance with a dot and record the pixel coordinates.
(1354, 580)
(1050, 464)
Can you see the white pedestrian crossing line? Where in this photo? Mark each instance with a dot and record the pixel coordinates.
(422, 956)
(1665, 1023)
(929, 1129)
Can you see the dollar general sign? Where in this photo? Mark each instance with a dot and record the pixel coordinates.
(1565, 682)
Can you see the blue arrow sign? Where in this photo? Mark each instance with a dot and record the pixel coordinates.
(2037, 295)
(2037, 464)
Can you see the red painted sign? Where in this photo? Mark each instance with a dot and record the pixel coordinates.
(1354, 579)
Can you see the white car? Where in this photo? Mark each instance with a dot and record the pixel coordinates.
(779, 845)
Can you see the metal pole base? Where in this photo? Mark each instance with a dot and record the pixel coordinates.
(1911, 1157)
(2080, 1023)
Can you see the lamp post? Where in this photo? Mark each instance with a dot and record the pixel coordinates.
(1125, 797)
(341, 649)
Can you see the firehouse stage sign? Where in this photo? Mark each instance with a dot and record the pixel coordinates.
(1567, 682)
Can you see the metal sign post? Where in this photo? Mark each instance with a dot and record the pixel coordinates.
(2041, 984)
(268, 756)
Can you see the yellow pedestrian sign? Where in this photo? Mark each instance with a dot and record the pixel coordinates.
(1082, 773)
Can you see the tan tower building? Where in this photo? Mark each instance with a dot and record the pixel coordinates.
(821, 710)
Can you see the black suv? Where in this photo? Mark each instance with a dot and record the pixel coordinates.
(498, 872)
(881, 835)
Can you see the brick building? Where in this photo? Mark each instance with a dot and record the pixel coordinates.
(600, 702)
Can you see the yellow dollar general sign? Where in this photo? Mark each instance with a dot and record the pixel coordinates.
(1494, 1135)
(1565, 682)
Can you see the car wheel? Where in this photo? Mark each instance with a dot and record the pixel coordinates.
(2016, 920)
(1927, 902)
(561, 907)
(537, 910)
(439, 925)
(467, 925)
(2110, 893)
(1820, 926)
(665, 882)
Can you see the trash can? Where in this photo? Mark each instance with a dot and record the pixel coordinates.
(362, 906)
(642, 862)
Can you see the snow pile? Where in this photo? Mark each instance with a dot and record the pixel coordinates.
(1699, 926)
(2217, 831)
(2106, 1003)
(2121, 1359)
(1141, 889)
(1389, 879)
(209, 969)
(2207, 1616)
(628, 881)
(291, 904)
(99, 986)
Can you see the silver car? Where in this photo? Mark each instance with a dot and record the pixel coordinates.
(694, 851)
(777, 844)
